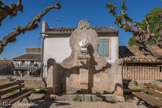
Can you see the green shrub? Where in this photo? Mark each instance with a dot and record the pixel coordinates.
(127, 98)
(77, 98)
(114, 101)
(12, 93)
(10, 78)
(41, 90)
(160, 99)
(133, 59)
(135, 83)
(147, 93)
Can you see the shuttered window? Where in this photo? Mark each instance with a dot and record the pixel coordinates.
(103, 49)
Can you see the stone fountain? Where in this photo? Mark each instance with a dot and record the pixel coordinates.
(84, 71)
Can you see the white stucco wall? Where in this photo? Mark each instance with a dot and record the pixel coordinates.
(114, 49)
(57, 48)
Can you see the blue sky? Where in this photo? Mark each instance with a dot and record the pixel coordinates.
(70, 14)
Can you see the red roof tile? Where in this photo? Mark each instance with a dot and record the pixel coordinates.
(132, 53)
(29, 57)
(71, 29)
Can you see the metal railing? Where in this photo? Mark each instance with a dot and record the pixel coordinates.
(6, 68)
(9, 69)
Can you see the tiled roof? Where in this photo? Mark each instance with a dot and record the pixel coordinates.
(33, 50)
(71, 29)
(133, 53)
(5, 61)
(29, 57)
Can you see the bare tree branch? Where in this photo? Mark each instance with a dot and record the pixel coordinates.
(142, 37)
(31, 26)
(10, 10)
(159, 40)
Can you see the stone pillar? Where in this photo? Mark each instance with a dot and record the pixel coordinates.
(119, 81)
(20, 73)
(84, 72)
(14, 72)
(51, 81)
(27, 73)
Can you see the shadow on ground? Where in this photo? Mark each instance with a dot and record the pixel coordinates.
(42, 103)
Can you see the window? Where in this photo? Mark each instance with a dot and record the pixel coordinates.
(22, 62)
(31, 63)
(103, 49)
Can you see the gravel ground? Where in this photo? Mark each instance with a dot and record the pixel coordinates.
(71, 104)
(38, 102)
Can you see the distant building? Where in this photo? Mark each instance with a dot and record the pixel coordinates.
(137, 66)
(28, 63)
(31, 58)
(5, 61)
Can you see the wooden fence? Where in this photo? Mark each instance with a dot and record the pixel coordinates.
(142, 71)
(6, 68)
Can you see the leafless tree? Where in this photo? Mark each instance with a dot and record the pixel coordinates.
(11, 10)
(142, 36)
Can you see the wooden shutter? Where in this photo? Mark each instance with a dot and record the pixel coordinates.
(103, 49)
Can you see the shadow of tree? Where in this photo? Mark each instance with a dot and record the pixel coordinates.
(94, 65)
(39, 102)
(61, 103)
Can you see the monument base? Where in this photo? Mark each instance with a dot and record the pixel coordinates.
(88, 97)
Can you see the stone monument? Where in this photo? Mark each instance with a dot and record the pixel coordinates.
(84, 71)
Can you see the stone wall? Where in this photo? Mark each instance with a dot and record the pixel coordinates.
(138, 84)
(35, 83)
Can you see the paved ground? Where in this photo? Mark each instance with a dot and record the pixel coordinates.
(38, 102)
(70, 104)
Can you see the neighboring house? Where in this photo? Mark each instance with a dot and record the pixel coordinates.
(55, 43)
(31, 58)
(5, 62)
(138, 66)
(29, 62)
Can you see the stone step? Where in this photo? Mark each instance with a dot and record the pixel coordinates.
(85, 97)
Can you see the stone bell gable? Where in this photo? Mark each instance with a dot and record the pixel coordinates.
(84, 32)
(87, 69)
